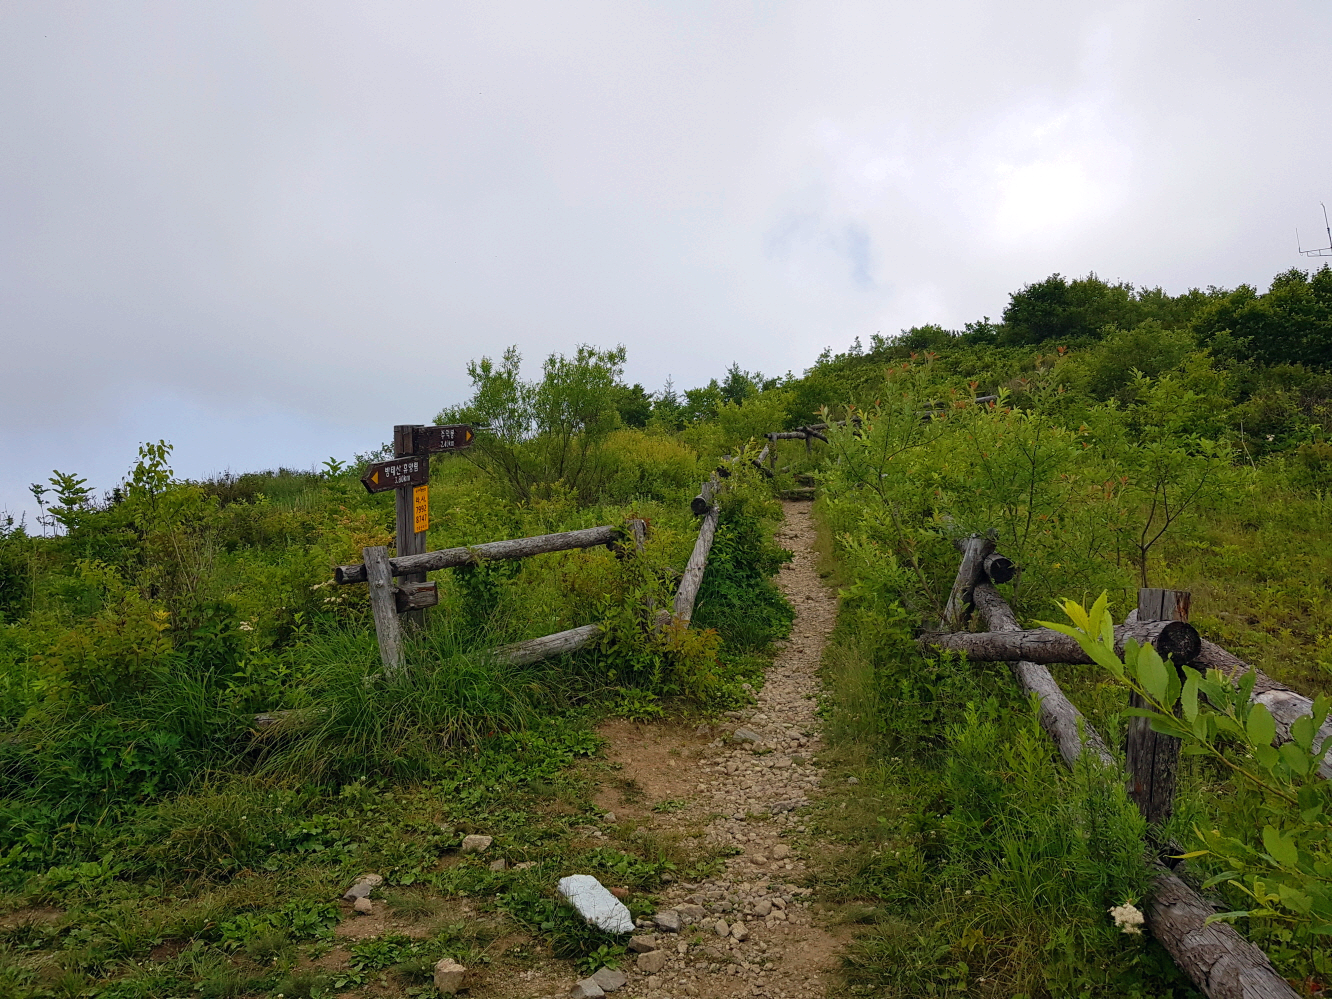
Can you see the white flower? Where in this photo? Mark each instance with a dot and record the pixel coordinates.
(246, 626)
(1128, 918)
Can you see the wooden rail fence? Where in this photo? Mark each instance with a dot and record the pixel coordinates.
(1219, 961)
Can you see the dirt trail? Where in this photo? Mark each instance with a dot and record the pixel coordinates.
(749, 930)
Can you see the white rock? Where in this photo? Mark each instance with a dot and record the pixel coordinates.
(586, 989)
(476, 844)
(595, 904)
(449, 976)
(740, 931)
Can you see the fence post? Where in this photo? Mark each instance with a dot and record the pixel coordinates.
(387, 627)
(1153, 759)
(408, 540)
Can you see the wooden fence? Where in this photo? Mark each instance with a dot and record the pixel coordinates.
(1219, 961)
(391, 600)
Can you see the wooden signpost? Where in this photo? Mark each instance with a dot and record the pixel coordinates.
(408, 475)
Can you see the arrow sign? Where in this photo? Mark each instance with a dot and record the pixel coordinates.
(413, 470)
(431, 440)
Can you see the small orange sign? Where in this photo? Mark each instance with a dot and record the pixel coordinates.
(420, 508)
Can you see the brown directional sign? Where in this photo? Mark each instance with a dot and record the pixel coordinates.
(430, 440)
(413, 470)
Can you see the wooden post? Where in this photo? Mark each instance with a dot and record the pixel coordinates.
(409, 541)
(1153, 759)
(974, 551)
(387, 626)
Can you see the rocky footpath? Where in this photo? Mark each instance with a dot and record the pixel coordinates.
(748, 931)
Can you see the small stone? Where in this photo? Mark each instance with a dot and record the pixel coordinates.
(852, 780)
(651, 962)
(762, 907)
(667, 879)
(668, 920)
(740, 931)
(524, 865)
(746, 735)
(620, 892)
(609, 979)
(642, 945)
(691, 913)
(778, 902)
(781, 851)
(499, 865)
(609, 817)
(654, 983)
(476, 844)
(722, 928)
(781, 763)
(363, 886)
(586, 989)
(363, 906)
(449, 976)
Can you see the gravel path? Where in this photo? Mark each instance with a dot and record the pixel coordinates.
(749, 931)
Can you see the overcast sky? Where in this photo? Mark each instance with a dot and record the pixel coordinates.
(266, 232)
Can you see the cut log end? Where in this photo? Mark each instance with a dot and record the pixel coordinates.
(1180, 641)
(998, 568)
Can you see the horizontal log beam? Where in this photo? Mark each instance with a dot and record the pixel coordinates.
(493, 551)
(536, 649)
(1284, 704)
(1041, 645)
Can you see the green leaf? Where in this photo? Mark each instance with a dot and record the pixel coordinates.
(1295, 758)
(1267, 756)
(1261, 727)
(1302, 732)
(1152, 674)
(1280, 848)
(1189, 698)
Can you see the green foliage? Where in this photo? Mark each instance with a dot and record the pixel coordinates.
(1272, 843)
(535, 436)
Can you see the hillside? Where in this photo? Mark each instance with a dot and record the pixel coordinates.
(201, 749)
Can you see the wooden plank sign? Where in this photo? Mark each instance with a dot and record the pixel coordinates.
(413, 470)
(432, 440)
(420, 508)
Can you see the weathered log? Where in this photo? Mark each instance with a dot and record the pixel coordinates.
(974, 550)
(998, 569)
(1284, 704)
(787, 435)
(1151, 757)
(415, 596)
(1042, 645)
(683, 608)
(702, 503)
(536, 649)
(387, 627)
(449, 558)
(1063, 722)
(1215, 957)
(758, 462)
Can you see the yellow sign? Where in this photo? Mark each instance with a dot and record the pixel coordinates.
(420, 508)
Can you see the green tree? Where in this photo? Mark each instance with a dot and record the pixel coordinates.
(1291, 323)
